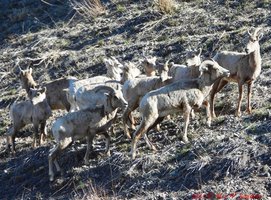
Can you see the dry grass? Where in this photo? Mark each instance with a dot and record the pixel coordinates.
(166, 6)
(89, 9)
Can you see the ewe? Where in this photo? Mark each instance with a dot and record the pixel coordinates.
(35, 111)
(177, 97)
(85, 123)
(244, 69)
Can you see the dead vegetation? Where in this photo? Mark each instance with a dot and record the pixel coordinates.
(166, 6)
(233, 155)
(89, 9)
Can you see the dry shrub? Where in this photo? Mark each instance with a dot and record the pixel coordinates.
(88, 8)
(166, 6)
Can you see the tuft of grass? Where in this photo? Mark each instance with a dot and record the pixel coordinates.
(88, 9)
(166, 6)
(120, 8)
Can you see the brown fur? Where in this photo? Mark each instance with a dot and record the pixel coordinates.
(244, 69)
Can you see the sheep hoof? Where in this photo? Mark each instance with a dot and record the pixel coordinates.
(213, 115)
(133, 155)
(157, 128)
(238, 114)
(127, 134)
(108, 154)
(248, 111)
(86, 162)
(185, 140)
(51, 178)
(153, 148)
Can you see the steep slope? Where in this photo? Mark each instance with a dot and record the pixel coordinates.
(233, 156)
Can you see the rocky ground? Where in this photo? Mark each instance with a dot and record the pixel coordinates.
(232, 156)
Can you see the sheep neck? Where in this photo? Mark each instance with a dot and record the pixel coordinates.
(205, 87)
(255, 59)
(111, 111)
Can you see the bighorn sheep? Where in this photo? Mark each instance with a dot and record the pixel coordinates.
(85, 123)
(244, 69)
(36, 111)
(149, 65)
(130, 71)
(87, 97)
(188, 71)
(135, 89)
(55, 94)
(114, 70)
(176, 97)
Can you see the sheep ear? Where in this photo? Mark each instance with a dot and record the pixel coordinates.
(163, 77)
(20, 69)
(199, 51)
(31, 92)
(154, 59)
(43, 89)
(203, 68)
(259, 37)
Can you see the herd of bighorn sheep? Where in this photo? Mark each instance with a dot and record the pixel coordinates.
(163, 89)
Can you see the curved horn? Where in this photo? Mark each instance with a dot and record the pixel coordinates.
(166, 64)
(249, 33)
(205, 63)
(257, 30)
(103, 87)
(20, 69)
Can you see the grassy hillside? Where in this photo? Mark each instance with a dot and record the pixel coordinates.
(232, 156)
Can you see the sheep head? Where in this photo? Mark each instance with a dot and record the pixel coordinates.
(193, 58)
(114, 68)
(210, 71)
(149, 65)
(114, 97)
(130, 71)
(164, 72)
(26, 79)
(37, 95)
(253, 43)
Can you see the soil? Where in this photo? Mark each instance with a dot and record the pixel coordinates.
(232, 157)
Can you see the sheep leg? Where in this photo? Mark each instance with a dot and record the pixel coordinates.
(142, 129)
(58, 169)
(11, 139)
(149, 143)
(89, 139)
(131, 107)
(238, 111)
(35, 135)
(209, 116)
(186, 122)
(249, 90)
(51, 158)
(53, 154)
(107, 137)
(218, 85)
(43, 132)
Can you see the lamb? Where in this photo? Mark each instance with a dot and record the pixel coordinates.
(35, 111)
(176, 97)
(244, 69)
(114, 70)
(55, 94)
(188, 71)
(136, 88)
(85, 123)
(149, 65)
